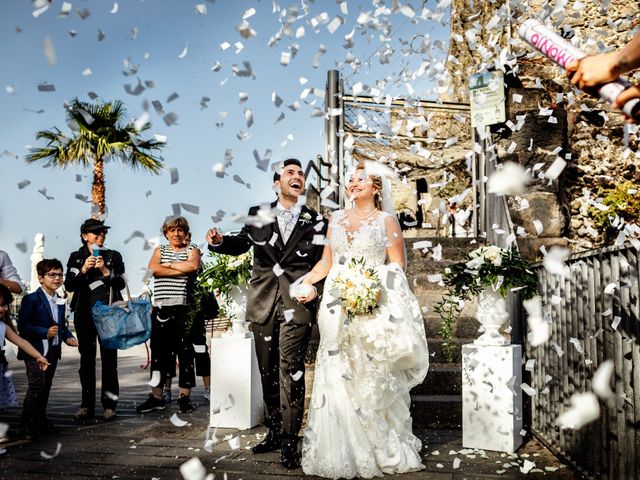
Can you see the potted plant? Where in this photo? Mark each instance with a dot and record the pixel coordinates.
(228, 277)
(488, 273)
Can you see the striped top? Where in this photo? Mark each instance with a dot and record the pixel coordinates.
(169, 291)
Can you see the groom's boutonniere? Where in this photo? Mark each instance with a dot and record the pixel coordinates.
(305, 218)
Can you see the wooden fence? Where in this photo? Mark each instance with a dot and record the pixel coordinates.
(595, 317)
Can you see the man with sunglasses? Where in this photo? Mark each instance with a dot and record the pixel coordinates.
(92, 272)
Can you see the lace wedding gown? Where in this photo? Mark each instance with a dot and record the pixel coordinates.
(359, 423)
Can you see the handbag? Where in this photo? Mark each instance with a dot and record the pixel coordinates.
(123, 324)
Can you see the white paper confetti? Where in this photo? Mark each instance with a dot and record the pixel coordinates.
(234, 443)
(511, 179)
(584, 409)
(193, 469)
(177, 421)
(602, 379)
(155, 379)
(48, 456)
(184, 51)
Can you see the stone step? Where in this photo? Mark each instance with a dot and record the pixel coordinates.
(428, 298)
(442, 379)
(428, 266)
(436, 411)
(466, 326)
(437, 353)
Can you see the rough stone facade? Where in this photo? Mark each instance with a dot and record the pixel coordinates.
(600, 151)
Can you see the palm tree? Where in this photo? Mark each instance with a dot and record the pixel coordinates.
(98, 134)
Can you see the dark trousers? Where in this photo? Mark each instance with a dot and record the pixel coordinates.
(169, 338)
(87, 346)
(198, 337)
(34, 408)
(280, 348)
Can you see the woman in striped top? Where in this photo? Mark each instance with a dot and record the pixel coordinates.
(171, 266)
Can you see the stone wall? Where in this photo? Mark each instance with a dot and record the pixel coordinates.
(599, 150)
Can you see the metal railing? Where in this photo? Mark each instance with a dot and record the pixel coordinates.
(595, 314)
(314, 188)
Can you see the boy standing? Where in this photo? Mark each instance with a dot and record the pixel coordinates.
(41, 321)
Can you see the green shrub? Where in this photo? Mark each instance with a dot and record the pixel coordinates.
(621, 204)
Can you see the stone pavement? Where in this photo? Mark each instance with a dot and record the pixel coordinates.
(151, 446)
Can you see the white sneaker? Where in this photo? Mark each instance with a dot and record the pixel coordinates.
(206, 393)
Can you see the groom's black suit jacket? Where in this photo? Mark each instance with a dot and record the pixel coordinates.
(296, 258)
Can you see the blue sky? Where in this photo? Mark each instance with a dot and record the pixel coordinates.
(199, 139)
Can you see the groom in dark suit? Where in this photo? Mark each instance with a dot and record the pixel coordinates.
(283, 251)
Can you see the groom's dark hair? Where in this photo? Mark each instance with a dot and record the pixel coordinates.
(288, 161)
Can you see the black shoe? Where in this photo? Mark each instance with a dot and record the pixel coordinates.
(47, 426)
(271, 443)
(184, 403)
(290, 457)
(150, 404)
(29, 433)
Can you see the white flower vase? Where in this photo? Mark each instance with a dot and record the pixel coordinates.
(237, 306)
(491, 313)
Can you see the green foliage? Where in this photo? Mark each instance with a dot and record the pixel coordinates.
(504, 269)
(224, 273)
(98, 133)
(621, 204)
(459, 181)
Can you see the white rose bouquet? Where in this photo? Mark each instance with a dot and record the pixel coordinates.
(359, 288)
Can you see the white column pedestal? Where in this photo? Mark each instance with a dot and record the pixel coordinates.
(491, 397)
(236, 391)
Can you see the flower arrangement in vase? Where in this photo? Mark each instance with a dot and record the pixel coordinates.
(488, 273)
(227, 277)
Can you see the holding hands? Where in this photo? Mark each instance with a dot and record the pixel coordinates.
(213, 236)
(303, 293)
(72, 342)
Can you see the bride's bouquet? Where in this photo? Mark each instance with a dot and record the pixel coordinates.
(359, 287)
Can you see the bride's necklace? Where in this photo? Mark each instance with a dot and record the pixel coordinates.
(365, 217)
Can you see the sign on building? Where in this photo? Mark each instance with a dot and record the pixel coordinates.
(486, 92)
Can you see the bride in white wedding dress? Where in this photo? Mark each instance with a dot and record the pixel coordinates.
(359, 424)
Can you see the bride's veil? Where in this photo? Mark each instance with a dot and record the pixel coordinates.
(385, 173)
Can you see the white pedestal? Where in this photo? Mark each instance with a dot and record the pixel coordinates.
(491, 397)
(236, 391)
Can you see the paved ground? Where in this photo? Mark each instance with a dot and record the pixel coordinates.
(151, 446)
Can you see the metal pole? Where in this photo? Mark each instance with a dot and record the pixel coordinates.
(481, 184)
(340, 152)
(332, 141)
(474, 184)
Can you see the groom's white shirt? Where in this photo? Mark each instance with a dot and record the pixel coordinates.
(282, 221)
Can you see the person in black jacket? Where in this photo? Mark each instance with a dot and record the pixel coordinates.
(283, 252)
(91, 272)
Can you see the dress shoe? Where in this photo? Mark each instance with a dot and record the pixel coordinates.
(29, 433)
(290, 457)
(109, 414)
(271, 443)
(46, 426)
(83, 414)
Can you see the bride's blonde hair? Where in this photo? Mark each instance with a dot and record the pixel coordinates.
(376, 180)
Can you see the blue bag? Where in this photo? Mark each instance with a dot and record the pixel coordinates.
(124, 324)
